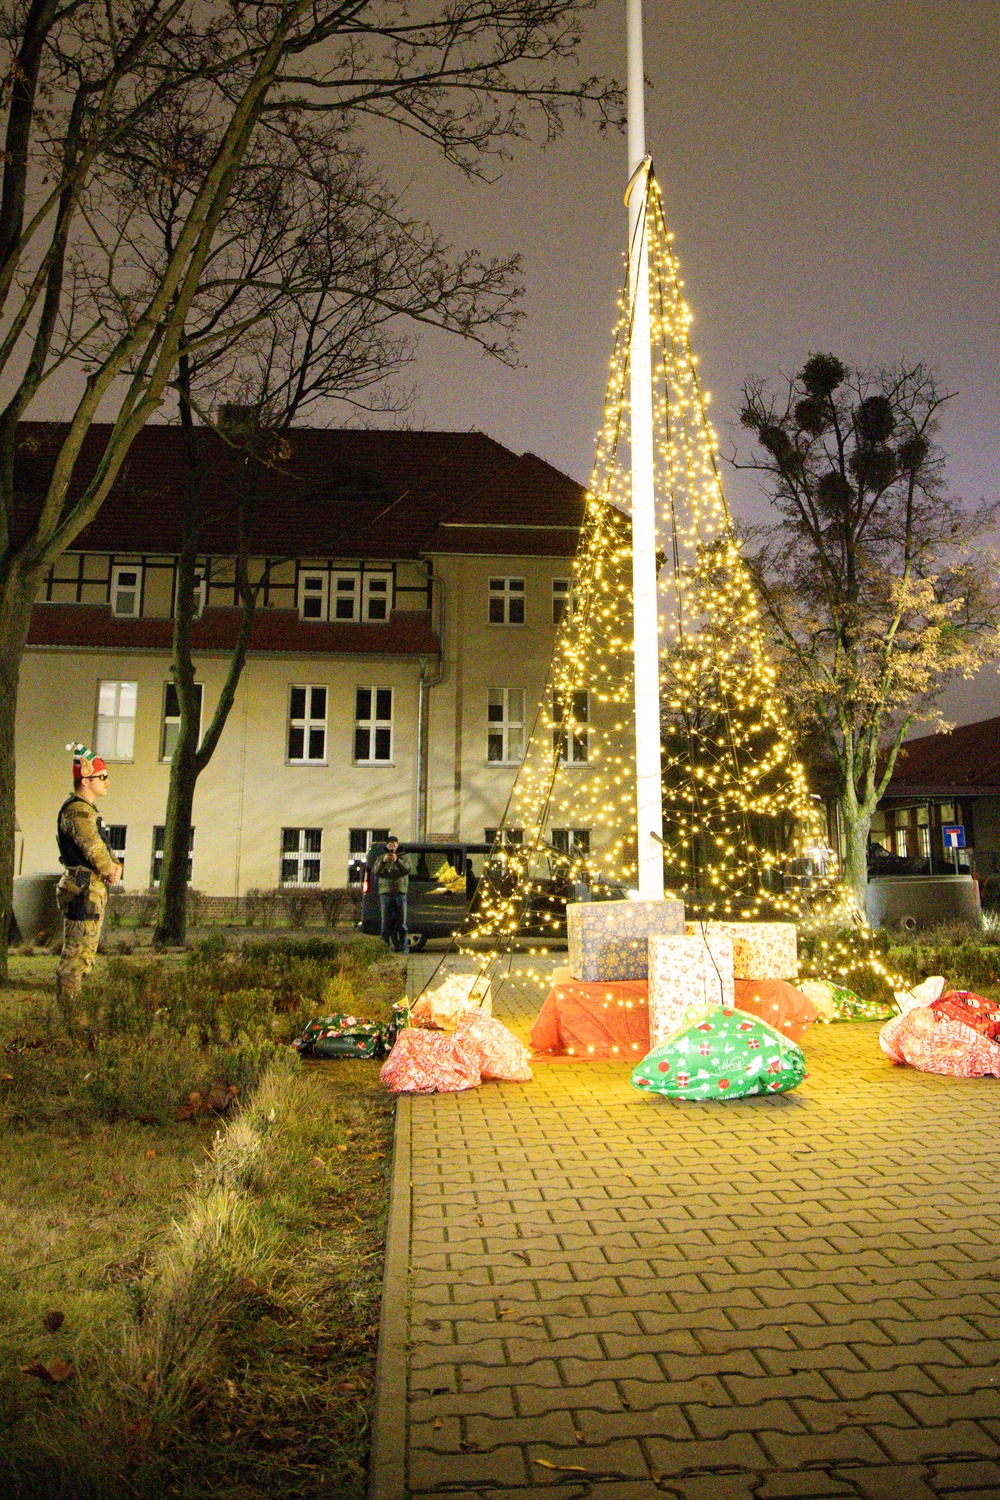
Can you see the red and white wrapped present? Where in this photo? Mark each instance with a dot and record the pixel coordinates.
(687, 975)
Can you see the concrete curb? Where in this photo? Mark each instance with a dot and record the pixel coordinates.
(387, 1463)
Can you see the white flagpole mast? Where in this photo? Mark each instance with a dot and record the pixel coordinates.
(646, 645)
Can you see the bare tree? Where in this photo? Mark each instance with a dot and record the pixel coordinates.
(82, 80)
(878, 587)
(302, 300)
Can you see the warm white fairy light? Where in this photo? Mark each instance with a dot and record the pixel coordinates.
(736, 805)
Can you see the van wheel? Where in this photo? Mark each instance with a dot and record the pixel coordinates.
(417, 941)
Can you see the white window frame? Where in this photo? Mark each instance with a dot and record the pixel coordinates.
(171, 721)
(379, 578)
(301, 855)
(577, 840)
(563, 599)
(357, 857)
(339, 594)
(508, 726)
(200, 590)
(114, 735)
(309, 723)
(159, 841)
(574, 740)
(117, 849)
(512, 837)
(373, 725)
(118, 590)
(308, 578)
(507, 591)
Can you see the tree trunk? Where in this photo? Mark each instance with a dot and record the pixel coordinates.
(171, 924)
(857, 826)
(16, 599)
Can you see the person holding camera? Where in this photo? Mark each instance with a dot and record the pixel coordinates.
(392, 871)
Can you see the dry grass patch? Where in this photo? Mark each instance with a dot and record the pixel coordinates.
(219, 1286)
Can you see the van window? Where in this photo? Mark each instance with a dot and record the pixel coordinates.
(444, 866)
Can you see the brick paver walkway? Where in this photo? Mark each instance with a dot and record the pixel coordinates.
(626, 1297)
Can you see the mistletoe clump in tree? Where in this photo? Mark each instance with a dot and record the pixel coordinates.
(878, 586)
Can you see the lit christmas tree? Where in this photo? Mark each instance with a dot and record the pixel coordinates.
(742, 837)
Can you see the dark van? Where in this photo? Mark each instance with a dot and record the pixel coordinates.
(441, 888)
(444, 882)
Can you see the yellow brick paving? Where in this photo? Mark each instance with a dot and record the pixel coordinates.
(786, 1297)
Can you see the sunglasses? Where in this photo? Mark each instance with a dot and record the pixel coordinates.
(101, 776)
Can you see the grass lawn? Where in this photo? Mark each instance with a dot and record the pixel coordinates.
(218, 1294)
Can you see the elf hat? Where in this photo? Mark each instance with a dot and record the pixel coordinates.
(85, 762)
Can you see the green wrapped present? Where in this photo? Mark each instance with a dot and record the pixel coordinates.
(845, 1005)
(347, 1036)
(724, 1054)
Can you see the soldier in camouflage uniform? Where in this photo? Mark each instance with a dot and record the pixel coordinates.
(82, 892)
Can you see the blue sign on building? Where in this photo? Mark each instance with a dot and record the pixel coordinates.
(953, 835)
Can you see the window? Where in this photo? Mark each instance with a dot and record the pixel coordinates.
(126, 592)
(572, 740)
(571, 840)
(505, 725)
(359, 842)
(307, 725)
(172, 718)
(345, 596)
(510, 835)
(562, 591)
(158, 833)
(116, 836)
(373, 725)
(301, 850)
(200, 591)
(115, 737)
(902, 833)
(313, 595)
(506, 601)
(377, 595)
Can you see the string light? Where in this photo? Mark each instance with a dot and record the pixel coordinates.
(738, 816)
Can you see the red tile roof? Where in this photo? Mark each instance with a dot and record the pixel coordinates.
(408, 633)
(341, 493)
(967, 759)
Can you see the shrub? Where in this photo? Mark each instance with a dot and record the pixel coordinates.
(142, 1080)
(966, 965)
(245, 1061)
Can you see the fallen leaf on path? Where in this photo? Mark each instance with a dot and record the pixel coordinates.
(575, 1468)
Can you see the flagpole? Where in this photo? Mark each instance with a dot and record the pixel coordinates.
(646, 648)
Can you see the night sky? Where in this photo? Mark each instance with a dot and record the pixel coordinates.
(830, 172)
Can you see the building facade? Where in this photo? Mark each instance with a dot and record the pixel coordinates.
(411, 588)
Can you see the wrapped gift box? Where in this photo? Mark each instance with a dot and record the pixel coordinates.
(761, 950)
(687, 975)
(610, 939)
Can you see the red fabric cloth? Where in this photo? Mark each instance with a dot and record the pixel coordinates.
(934, 1043)
(778, 1003)
(603, 1018)
(972, 1010)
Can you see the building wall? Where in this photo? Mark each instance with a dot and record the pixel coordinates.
(248, 792)
(466, 793)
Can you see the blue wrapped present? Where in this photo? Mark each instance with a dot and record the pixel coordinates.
(610, 939)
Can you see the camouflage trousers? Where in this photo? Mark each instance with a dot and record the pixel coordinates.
(79, 949)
